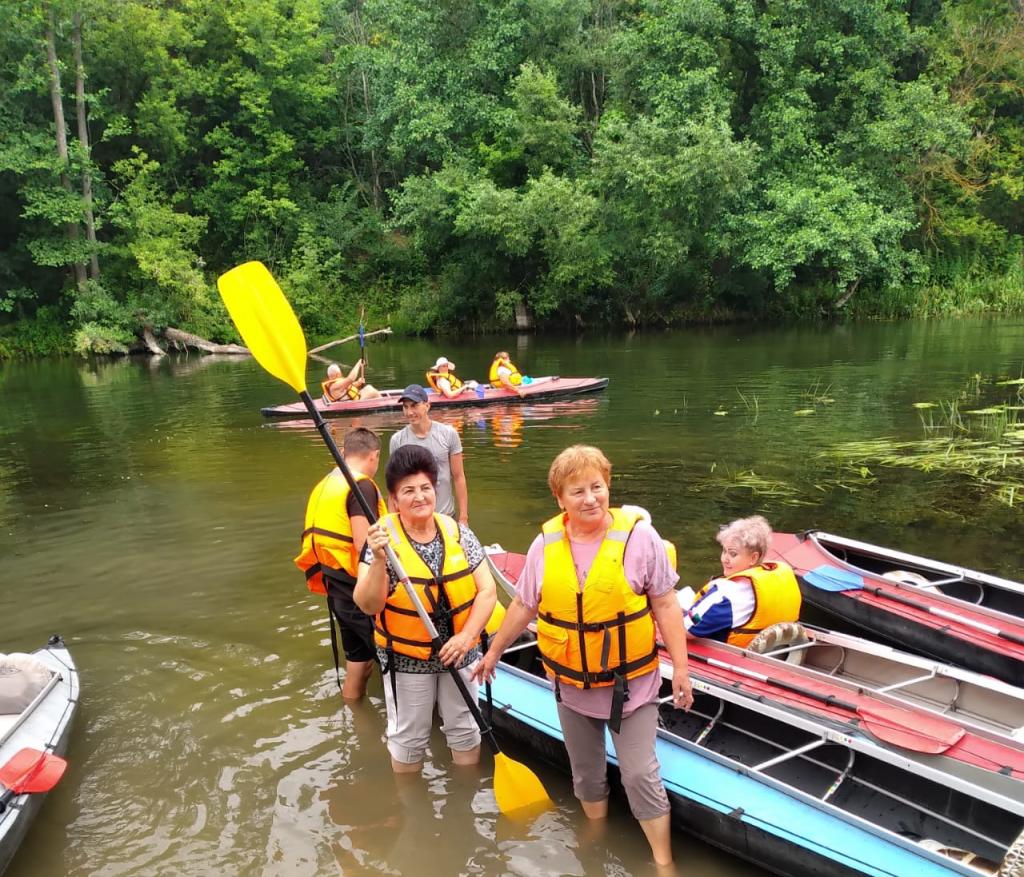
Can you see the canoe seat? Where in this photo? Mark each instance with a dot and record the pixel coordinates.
(22, 677)
(913, 579)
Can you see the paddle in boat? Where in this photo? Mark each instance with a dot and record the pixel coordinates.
(38, 698)
(803, 775)
(539, 390)
(954, 614)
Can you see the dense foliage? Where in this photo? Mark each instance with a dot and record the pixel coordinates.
(458, 162)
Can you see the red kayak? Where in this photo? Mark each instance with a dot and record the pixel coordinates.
(935, 609)
(939, 743)
(538, 390)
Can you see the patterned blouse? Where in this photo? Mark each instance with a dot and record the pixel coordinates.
(432, 554)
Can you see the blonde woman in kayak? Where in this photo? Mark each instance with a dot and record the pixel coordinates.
(607, 569)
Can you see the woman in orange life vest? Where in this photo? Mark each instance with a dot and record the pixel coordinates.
(503, 373)
(444, 560)
(751, 594)
(333, 537)
(443, 380)
(609, 673)
(353, 386)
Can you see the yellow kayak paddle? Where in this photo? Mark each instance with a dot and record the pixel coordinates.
(272, 333)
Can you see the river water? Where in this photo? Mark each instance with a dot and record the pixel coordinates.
(150, 515)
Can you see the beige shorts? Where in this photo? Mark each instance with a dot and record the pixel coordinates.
(408, 731)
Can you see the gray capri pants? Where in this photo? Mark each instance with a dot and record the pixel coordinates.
(409, 727)
(634, 746)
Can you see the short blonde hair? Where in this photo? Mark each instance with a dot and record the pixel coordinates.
(753, 534)
(574, 461)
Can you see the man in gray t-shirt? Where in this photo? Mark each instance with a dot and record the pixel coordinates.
(443, 442)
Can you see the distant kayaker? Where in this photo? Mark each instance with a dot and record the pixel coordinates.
(503, 373)
(445, 562)
(332, 542)
(600, 648)
(353, 386)
(443, 380)
(750, 595)
(444, 444)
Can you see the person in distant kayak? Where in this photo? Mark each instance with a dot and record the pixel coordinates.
(443, 380)
(596, 579)
(444, 444)
(332, 542)
(352, 386)
(503, 373)
(445, 562)
(750, 595)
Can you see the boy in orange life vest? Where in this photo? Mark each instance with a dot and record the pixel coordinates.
(332, 541)
(751, 594)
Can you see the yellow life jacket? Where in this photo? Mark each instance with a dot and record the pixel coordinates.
(433, 375)
(351, 393)
(328, 554)
(515, 378)
(599, 634)
(776, 598)
(398, 626)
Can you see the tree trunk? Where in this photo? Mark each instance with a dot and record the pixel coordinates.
(150, 341)
(83, 139)
(176, 336)
(62, 132)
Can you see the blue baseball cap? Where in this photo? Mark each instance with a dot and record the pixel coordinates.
(414, 393)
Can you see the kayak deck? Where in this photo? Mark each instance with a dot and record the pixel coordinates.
(543, 388)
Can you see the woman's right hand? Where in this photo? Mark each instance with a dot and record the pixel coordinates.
(377, 538)
(483, 670)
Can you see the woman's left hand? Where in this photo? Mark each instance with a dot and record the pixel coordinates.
(453, 651)
(682, 693)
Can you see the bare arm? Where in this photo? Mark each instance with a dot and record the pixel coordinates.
(371, 590)
(669, 616)
(460, 487)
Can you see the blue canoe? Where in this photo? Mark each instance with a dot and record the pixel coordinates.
(795, 796)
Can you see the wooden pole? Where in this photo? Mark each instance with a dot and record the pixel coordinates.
(349, 338)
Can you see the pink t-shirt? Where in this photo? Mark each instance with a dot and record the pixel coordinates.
(647, 571)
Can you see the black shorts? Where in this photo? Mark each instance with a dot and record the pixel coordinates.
(356, 627)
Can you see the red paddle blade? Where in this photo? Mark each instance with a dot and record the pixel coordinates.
(32, 770)
(909, 730)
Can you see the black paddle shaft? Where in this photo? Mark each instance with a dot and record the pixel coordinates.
(460, 683)
(907, 601)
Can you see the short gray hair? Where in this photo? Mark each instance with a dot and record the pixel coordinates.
(753, 534)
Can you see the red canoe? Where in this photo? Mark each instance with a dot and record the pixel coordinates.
(847, 580)
(539, 390)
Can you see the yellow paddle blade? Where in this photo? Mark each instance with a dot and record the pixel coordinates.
(494, 622)
(266, 322)
(517, 789)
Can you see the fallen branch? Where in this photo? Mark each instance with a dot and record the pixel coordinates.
(177, 337)
(350, 338)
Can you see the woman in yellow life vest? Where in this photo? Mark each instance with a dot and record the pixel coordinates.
(332, 541)
(444, 381)
(504, 374)
(596, 579)
(444, 561)
(751, 594)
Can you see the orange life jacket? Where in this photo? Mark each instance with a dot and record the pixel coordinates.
(433, 375)
(351, 393)
(398, 627)
(328, 552)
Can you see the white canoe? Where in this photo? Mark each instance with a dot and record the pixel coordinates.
(44, 723)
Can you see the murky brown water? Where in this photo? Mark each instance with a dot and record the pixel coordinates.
(149, 515)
